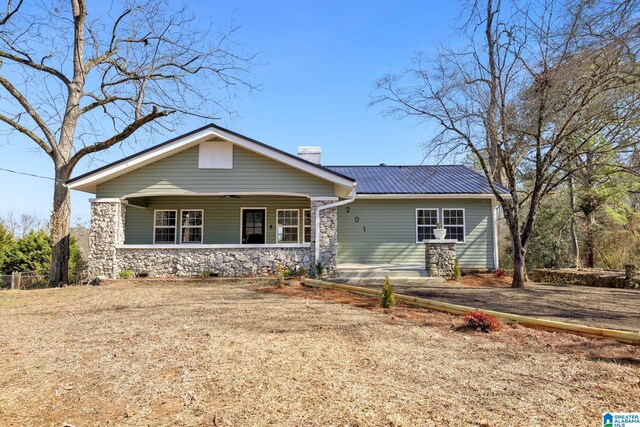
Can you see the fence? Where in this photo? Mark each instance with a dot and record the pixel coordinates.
(24, 280)
(34, 280)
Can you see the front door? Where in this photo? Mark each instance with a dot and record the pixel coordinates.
(253, 225)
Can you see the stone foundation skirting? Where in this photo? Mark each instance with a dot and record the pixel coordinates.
(586, 277)
(221, 261)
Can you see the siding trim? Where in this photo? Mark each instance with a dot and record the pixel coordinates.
(216, 246)
(427, 196)
(220, 193)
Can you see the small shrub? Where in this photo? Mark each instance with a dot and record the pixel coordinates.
(457, 275)
(208, 273)
(482, 322)
(499, 273)
(126, 274)
(319, 270)
(289, 273)
(388, 298)
(279, 276)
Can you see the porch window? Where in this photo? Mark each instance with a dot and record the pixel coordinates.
(191, 222)
(453, 221)
(426, 222)
(306, 223)
(164, 226)
(288, 225)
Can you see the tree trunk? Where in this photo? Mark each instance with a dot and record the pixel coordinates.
(60, 229)
(590, 239)
(519, 266)
(575, 247)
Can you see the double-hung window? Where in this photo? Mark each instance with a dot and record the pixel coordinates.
(191, 225)
(164, 226)
(288, 225)
(453, 222)
(426, 222)
(306, 222)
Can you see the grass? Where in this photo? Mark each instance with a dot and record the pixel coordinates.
(219, 353)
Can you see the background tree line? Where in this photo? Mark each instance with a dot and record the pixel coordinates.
(25, 245)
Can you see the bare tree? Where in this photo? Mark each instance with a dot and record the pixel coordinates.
(23, 223)
(533, 84)
(77, 83)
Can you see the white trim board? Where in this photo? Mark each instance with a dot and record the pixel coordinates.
(217, 246)
(89, 182)
(219, 193)
(427, 196)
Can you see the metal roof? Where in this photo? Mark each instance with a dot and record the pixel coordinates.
(424, 179)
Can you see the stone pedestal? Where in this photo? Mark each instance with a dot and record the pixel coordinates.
(107, 231)
(440, 257)
(328, 237)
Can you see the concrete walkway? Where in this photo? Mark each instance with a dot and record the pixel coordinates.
(599, 307)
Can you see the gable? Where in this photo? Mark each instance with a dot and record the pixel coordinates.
(180, 173)
(89, 182)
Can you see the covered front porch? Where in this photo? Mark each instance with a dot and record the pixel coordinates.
(222, 234)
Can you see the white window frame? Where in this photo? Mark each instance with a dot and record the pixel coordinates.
(306, 226)
(464, 223)
(201, 227)
(297, 211)
(416, 220)
(175, 227)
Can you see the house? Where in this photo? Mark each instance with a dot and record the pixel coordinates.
(215, 200)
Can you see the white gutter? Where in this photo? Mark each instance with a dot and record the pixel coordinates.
(317, 222)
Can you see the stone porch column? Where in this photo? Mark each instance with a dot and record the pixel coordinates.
(107, 231)
(440, 257)
(328, 237)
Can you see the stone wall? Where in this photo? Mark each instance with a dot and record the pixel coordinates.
(328, 238)
(161, 262)
(440, 257)
(107, 231)
(586, 277)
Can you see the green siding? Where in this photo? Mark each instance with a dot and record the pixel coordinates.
(390, 235)
(251, 173)
(221, 215)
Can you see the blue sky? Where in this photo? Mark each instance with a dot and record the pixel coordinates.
(318, 63)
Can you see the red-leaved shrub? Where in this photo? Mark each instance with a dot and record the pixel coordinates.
(499, 273)
(482, 322)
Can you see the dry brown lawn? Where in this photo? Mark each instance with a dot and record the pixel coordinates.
(223, 354)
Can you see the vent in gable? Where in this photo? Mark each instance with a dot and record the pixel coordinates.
(215, 155)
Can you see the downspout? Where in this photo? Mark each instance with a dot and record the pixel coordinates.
(328, 206)
(496, 248)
